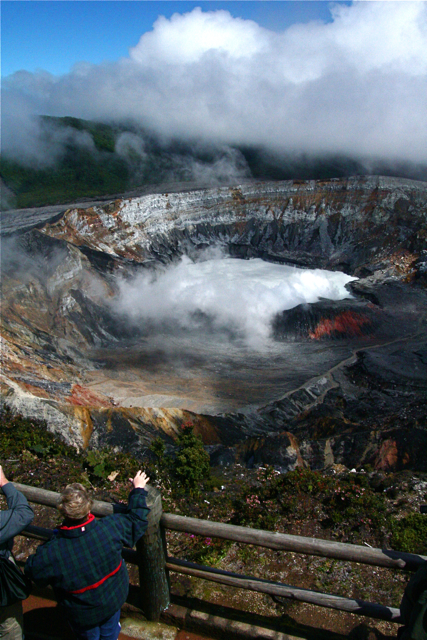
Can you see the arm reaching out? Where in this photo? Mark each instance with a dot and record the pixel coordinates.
(134, 522)
(140, 480)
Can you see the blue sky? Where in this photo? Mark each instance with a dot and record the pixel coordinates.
(54, 35)
(296, 77)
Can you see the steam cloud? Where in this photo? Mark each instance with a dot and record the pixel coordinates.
(240, 295)
(355, 86)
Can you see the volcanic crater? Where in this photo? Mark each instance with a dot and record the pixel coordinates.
(338, 381)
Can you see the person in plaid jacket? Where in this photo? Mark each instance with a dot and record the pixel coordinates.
(83, 561)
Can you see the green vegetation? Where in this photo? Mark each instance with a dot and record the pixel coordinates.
(91, 170)
(18, 434)
(80, 174)
(410, 534)
(103, 135)
(352, 507)
(374, 508)
(191, 463)
(346, 505)
(88, 166)
(189, 468)
(32, 455)
(81, 171)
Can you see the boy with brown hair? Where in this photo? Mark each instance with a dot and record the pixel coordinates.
(83, 561)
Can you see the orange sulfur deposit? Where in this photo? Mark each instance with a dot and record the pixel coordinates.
(348, 323)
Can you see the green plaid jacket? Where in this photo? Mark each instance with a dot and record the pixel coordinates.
(84, 564)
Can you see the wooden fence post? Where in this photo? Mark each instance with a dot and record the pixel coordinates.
(151, 560)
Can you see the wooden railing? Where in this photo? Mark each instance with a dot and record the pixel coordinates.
(154, 564)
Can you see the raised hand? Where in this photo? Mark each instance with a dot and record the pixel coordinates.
(140, 480)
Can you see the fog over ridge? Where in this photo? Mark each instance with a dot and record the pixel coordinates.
(355, 86)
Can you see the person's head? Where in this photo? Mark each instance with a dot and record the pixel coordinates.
(75, 502)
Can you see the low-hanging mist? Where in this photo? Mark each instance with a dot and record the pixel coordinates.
(239, 296)
(354, 86)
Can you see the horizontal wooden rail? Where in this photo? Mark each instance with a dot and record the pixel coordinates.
(368, 609)
(271, 540)
(298, 544)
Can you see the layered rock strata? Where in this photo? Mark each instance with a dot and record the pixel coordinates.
(362, 389)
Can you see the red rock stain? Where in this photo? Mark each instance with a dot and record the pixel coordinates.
(82, 396)
(348, 323)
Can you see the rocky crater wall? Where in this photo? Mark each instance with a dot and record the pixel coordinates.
(358, 407)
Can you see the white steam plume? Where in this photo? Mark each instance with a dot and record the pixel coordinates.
(357, 85)
(240, 295)
(230, 165)
(131, 147)
(223, 164)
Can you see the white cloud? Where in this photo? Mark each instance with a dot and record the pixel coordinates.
(357, 85)
(29, 139)
(185, 39)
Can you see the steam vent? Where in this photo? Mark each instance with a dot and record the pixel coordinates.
(106, 360)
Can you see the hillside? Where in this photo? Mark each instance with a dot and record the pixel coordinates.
(84, 159)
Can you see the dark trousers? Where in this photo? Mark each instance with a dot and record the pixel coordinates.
(108, 630)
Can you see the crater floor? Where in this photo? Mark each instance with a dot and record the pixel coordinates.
(205, 375)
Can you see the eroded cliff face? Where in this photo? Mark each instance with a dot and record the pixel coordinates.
(357, 387)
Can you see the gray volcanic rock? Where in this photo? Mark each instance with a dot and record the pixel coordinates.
(342, 373)
(333, 319)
